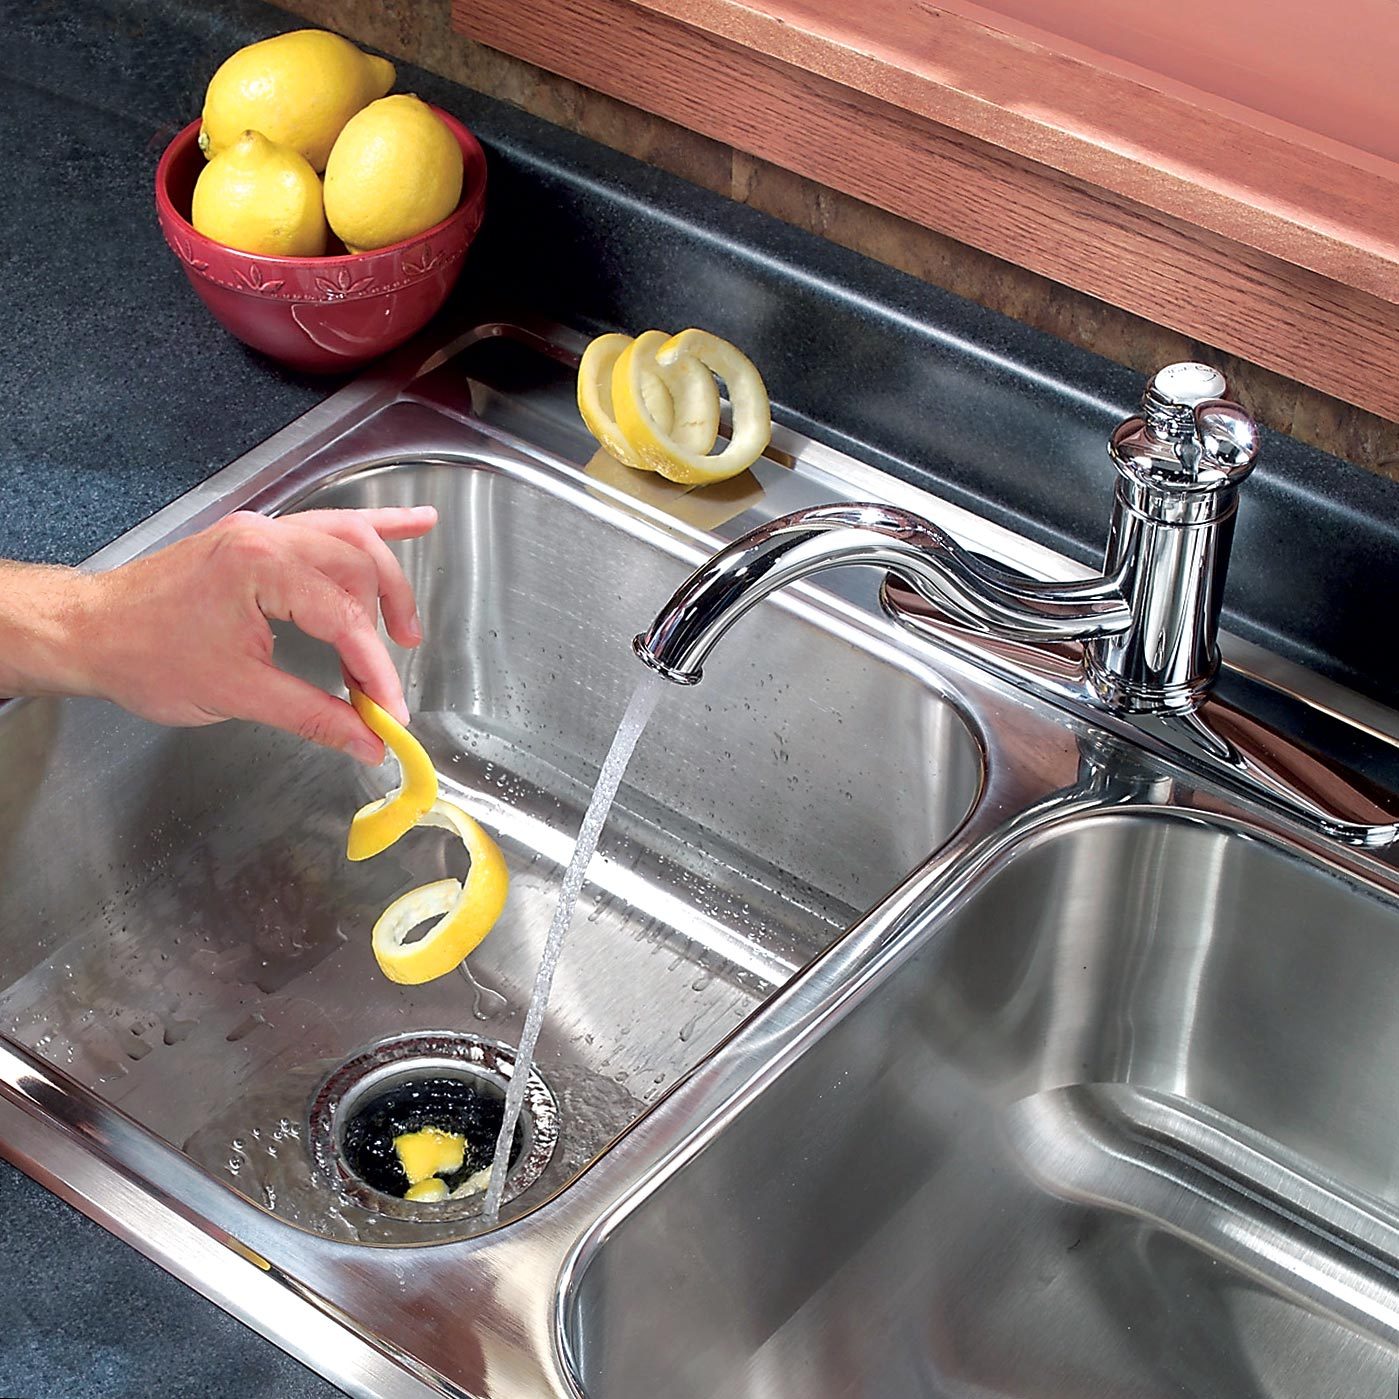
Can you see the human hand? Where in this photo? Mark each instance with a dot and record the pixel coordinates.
(182, 637)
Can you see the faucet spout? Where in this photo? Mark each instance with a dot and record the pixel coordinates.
(964, 585)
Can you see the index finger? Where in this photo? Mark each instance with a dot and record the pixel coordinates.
(388, 522)
(328, 613)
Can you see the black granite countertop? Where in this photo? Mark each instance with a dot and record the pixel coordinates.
(118, 393)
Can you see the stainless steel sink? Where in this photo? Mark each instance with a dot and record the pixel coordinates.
(211, 963)
(1123, 1125)
(916, 1037)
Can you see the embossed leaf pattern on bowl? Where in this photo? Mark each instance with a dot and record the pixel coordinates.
(342, 282)
(257, 280)
(186, 250)
(420, 263)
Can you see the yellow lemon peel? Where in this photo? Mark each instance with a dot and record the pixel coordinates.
(431, 1190)
(464, 912)
(663, 451)
(429, 1152)
(681, 398)
(375, 827)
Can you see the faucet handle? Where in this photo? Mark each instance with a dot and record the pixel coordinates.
(1227, 437)
(1188, 439)
(1175, 391)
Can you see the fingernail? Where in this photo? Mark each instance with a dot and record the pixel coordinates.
(415, 628)
(365, 752)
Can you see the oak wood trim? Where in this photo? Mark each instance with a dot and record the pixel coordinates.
(1182, 154)
(1294, 296)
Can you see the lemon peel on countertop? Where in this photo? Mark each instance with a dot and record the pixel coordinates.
(661, 450)
(681, 397)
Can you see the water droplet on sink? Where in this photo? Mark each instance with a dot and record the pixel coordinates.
(245, 1027)
(177, 1031)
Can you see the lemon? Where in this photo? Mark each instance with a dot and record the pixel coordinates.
(682, 399)
(464, 913)
(298, 89)
(663, 450)
(395, 170)
(375, 827)
(261, 198)
(432, 1189)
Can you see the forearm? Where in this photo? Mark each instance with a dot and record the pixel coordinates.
(45, 626)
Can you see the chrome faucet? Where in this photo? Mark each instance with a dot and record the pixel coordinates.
(1148, 626)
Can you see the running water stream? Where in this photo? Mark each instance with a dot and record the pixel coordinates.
(629, 731)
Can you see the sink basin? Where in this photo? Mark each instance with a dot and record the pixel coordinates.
(1123, 1125)
(184, 936)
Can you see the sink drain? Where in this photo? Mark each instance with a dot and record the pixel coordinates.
(453, 1082)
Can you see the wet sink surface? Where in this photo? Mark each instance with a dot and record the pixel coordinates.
(185, 936)
(1124, 1126)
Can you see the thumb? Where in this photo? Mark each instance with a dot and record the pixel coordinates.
(285, 702)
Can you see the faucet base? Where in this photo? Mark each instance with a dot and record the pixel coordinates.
(1210, 736)
(1114, 692)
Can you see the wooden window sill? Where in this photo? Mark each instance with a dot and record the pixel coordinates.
(1221, 221)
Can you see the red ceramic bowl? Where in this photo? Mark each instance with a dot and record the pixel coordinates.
(321, 314)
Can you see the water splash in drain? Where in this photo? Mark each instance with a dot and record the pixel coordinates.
(629, 732)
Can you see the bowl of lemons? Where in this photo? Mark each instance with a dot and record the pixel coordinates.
(321, 217)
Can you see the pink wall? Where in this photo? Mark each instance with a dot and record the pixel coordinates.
(1327, 66)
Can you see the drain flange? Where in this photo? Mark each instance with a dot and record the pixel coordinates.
(439, 1078)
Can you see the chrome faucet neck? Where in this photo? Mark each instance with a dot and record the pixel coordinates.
(1149, 624)
(1179, 466)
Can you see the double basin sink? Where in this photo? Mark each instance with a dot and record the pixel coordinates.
(912, 1039)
